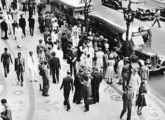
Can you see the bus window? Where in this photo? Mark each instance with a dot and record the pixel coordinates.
(70, 11)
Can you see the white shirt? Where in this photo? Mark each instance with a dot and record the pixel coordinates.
(135, 81)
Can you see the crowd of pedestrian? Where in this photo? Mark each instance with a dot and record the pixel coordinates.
(91, 59)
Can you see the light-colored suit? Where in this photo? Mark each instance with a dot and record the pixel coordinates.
(32, 65)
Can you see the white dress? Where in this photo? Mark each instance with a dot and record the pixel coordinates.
(110, 70)
(99, 59)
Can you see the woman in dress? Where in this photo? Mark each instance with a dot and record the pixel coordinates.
(99, 59)
(110, 70)
(141, 101)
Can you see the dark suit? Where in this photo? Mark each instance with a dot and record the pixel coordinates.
(72, 55)
(55, 66)
(64, 42)
(20, 68)
(96, 80)
(22, 24)
(31, 25)
(67, 84)
(127, 104)
(45, 77)
(78, 87)
(5, 59)
(4, 27)
(126, 74)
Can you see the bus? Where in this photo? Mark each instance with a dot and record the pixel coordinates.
(115, 4)
(111, 24)
(73, 9)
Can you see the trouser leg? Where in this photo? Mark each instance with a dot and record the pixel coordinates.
(154, 23)
(158, 23)
(94, 94)
(123, 112)
(57, 75)
(97, 94)
(5, 69)
(6, 34)
(22, 79)
(18, 76)
(129, 113)
(53, 76)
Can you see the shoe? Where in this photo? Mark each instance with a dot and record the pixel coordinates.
(111, 83)
(35, 81)
(67, 109)
(86, 110)
(79, 103)
(46, 95)
(18, 46)
(5, 75)
(54, 82)
(119, 83)
(21, 85)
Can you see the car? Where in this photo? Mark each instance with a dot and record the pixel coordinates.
(145, 13)
(162, 14)
(115, 4)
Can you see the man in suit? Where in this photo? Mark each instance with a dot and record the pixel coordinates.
(31, 25)
(45, 77)
(78, 83)
(5, 59)
(22, 24)
(55, 66)
(20, 68)
(67, 84)
(64, 44)
(4, 27)
(127, 102)
(95, 83)
(126, 74)
(72, 57)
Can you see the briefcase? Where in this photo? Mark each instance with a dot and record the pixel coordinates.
(90, 101)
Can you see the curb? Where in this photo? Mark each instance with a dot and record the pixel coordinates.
(159, 1)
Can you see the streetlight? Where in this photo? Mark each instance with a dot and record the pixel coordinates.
(128, 16)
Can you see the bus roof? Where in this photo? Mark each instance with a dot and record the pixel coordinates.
(111, 17)
(73, 3)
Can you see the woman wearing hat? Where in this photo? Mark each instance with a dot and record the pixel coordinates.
(110, 69)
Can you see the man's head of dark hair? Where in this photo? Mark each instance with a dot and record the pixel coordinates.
(5, 49)
(3, 101)
(53, 54)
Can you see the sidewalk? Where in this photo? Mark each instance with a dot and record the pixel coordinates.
(27, 103)
(159, 1)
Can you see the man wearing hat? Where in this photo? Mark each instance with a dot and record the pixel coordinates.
(67, 85)
(55, 66)
(127, 102)
(5, 59)
(78, 83)
(95, 82)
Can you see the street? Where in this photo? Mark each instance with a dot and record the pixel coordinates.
(27, 102)
(157, 81)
